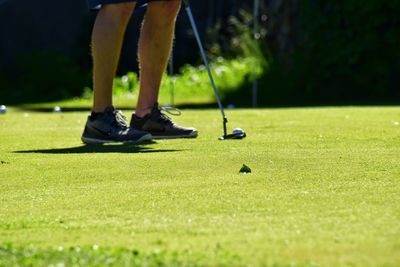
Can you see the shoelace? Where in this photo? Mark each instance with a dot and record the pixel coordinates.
(170, 110)
(120, 119)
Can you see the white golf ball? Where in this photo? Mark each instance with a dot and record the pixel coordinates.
(57, 109)
(238, 131)
(3, 109)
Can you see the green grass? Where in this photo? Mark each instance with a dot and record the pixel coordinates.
(324, 191)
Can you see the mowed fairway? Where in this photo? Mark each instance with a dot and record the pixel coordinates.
(324, 191)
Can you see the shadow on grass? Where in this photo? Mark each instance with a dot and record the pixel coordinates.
(86, 149)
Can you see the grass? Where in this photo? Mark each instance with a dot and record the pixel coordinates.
(324, 191)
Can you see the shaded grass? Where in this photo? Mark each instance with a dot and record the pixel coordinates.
(324, 191)
(100, 256)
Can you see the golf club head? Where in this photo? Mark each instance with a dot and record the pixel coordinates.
(232, 136)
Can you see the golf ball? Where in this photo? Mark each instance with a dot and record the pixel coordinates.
(238, 131)
(3, 109)
(57, 109)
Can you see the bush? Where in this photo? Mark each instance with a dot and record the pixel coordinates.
(192, 84)
(348, 52)
(43, 76)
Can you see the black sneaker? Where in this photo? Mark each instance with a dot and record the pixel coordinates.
(111, 127)
(161, 126)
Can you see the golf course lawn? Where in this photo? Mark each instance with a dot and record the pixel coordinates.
(324, 191)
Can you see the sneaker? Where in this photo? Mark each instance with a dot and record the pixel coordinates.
(161, 126)
(111, 127)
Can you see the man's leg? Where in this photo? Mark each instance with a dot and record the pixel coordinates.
(107, 39)
(105, 124)
(154, 49)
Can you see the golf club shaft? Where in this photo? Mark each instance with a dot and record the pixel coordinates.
(255, 32)
(203, 54)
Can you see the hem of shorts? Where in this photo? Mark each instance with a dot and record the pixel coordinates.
(99, 6)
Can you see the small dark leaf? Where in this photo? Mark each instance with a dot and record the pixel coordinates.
(245, 169)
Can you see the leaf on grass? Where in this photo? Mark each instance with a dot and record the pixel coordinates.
(245, 169)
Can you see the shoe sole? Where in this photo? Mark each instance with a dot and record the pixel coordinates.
(192, 135)
(141, 140)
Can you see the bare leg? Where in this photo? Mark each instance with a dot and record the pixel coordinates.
(154, 49)
(107, 38)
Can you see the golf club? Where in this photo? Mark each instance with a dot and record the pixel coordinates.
(237, 133)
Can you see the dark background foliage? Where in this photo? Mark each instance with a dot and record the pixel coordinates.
(342, 52)
(319, 52)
